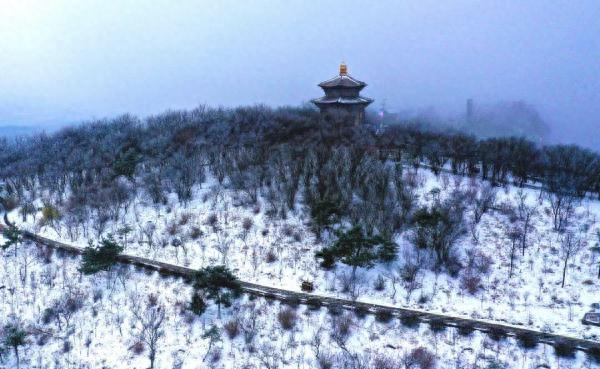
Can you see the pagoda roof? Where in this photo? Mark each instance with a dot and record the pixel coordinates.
(343, 100)
(342, 80)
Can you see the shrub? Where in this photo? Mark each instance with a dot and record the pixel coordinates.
(67, 346)
(215, 355)
(379, 283)
(423, 299)
(421, 358)
(385, 362)
(287, 230)
(361, 311)
(564, 349)
(313, 304)
(271, 257)
(496, 333)
(232, 328)
(307, 286)
(383, 316)
(465, 330)
(48, 315)
(437, 325)
(173, 229)
(138, 348)
(470, 283)
(527, 340)
(50, 214)
(185, 218)
(409, 320)
(292, 302)
(342, 326)
(335, 310)
(287, 318)
(212, 220)
(247, 224)
(479, 262)
(325, 361)
(196, 233)
(409, 271)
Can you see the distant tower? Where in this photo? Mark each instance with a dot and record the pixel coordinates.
(469, 110)
(342, 94)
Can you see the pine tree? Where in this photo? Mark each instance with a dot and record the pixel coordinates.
(213, 335)
(198, 305)
(15, 337)
(218, 284)
(356, 249)
(102, 257)
(322, 214)
(13, 236)
(126, 162)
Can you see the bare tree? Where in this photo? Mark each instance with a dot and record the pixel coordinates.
(514, 234)
(526, 214)
(64, 308)
(483, 202)
(149, 318)
(563, 207)
(247, 224)
(570, 246)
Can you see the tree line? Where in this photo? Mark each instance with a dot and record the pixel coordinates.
(88, 175)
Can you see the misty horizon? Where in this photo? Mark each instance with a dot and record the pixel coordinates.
(69, 62)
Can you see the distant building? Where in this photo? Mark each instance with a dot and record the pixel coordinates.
(342, 95)
(469, 110)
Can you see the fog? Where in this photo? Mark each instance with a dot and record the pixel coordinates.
(66, 61)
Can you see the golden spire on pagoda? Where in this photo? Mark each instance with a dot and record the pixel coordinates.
(343, 69)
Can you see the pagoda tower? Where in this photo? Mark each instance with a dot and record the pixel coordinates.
(342, 95)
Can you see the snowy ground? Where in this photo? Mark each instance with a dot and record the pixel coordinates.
(281, 253)
(102, 333)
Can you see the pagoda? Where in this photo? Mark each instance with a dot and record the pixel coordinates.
(342, 96)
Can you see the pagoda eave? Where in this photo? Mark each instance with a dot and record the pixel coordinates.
(342, 101)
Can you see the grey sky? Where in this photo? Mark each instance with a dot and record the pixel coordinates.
(72, 60)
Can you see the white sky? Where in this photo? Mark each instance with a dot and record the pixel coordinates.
(69, 60)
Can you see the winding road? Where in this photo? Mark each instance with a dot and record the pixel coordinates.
(315, 300)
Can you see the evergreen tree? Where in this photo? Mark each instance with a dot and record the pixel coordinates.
(322, 214)
(213, 335)
(15, 336)
(13, 236)
(126, 162)
(198, 305)
(102, 257)
(218, 284)
(356, 249)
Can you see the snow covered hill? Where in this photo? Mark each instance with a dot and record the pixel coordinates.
(215, 227)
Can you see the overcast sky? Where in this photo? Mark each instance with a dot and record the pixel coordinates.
(71, 60)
